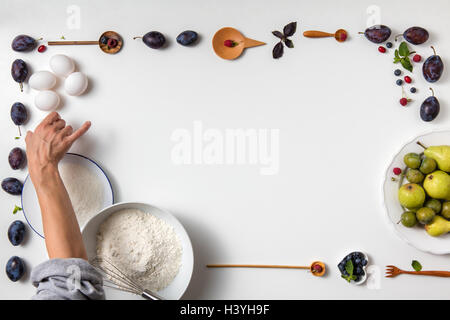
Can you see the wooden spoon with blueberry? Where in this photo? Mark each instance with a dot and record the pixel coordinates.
(110, 42)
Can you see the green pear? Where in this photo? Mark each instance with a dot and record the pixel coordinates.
(441, 154)
(411, 196)
(438, 227)
(437, 185)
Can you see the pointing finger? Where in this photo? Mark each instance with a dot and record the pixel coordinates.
(78, 133)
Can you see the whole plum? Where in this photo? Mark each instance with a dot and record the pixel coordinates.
(377, 33)
(16, 158)
(433, 67)
(12, 186)
(19, 72)
(16, 232)
(15, 268)
(23, 43)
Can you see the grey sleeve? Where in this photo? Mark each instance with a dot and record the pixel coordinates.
(67, 279)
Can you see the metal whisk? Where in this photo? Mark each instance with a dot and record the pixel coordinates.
(116, 279)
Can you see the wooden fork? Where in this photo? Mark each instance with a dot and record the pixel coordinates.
(393, 271)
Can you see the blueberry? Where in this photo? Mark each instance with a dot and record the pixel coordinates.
(358, 278)
(16, 232)
(413, 90)
(397, 72)
(363, 262)
(399, 82)
(187, 37)
(349, 257)
(104, 40)
(12, 186)
(357, 261)
(359, 271)
(389, 44)
(341, 266)
(15, 268)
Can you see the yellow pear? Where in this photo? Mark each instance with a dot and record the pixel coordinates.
(441, 154)
(438, 227)
(437, 185)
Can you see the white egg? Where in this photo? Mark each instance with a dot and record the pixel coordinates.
(42, 80)
(46, 100)
(62, 65)
(76, 83)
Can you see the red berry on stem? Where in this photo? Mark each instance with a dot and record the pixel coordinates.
(382, 49)
(403, 101)
(397, 171)
(229, 43)
(408, 79)
(42, 48)
(417, 58)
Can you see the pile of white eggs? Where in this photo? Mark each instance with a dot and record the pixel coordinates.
(75, 83)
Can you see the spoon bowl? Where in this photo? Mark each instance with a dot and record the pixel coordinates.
(230, 53)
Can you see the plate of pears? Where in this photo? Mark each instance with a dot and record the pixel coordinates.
(416, 192)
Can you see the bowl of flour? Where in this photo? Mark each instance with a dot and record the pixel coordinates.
(145, 242)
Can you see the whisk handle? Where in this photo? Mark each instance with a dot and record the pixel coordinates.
(151, 295)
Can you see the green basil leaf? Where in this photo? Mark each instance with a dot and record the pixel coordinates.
(349, 267)
(406, 64)
(403, 49)
(416, 265)
(397, 60)
(396, 54)
(16, 209)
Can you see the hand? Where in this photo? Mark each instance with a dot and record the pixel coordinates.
(48, 144)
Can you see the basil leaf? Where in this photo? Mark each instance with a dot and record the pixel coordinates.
(288, 43)
(397, 60)
(16, 209)
(349, 267)
(278, 50)
(403, 49)
(416, 265)
(406, 64)
(396, 54)
(290, 29)
(278, 34)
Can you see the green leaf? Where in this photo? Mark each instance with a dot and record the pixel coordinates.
(403, 49)
(16, 209)
(396, 54)
(17, 138)
(397, 60)
(349, 267)
(416, 265)
(406, 64)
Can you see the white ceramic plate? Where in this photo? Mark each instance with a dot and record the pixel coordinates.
(30, 204)
(417, 236)
(176, 289)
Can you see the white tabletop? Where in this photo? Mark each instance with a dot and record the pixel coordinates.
(335, 106)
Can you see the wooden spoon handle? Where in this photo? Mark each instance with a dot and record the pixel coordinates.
(254, 266)
(430, 273)
(55, 43)
(248, 43)
(317, 34)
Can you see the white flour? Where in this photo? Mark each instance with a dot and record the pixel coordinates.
(84, 188)
(141, 245)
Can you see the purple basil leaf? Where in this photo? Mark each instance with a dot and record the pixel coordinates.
(277, 51)
(288, 43)
(278, 34)
(290, 29)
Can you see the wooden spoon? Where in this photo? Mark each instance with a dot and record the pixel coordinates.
(340, 35)
(104, 47)
(230, 53)
(311, 267)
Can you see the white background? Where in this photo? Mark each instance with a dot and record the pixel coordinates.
(336, 106)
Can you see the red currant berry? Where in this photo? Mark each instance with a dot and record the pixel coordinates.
(407, 79)
(42, 48)
(403, 101)
(229, 43)
(417, 58)
(397, 171)
(112, 43)
(382, 49)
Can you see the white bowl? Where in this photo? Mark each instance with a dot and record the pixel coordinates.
(176, 289)
(416, 236)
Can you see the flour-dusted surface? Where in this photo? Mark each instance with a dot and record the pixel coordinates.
(143, 246)
(85, 190)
